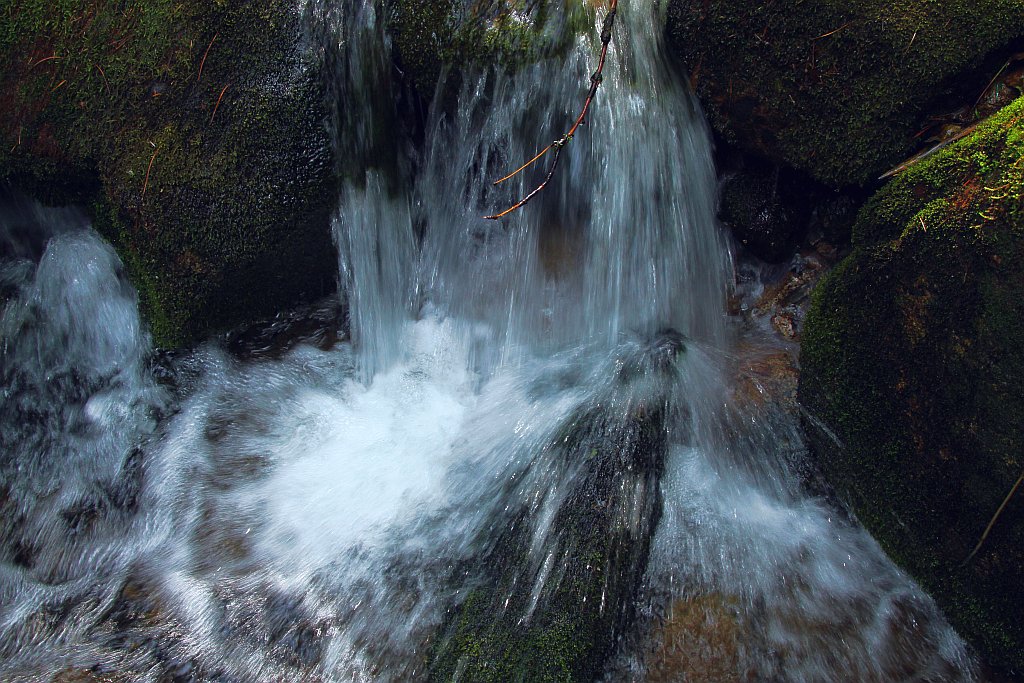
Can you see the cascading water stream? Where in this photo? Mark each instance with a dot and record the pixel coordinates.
(529, 412)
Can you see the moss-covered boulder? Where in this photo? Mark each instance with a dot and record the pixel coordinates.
(913, 362)
(430, 36)
(834, 87)
(195, 130)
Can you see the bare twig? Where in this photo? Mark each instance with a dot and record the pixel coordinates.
(106, 85)
(992, 82)
(557, 145)
(911, 43)
(927, 153)
(992, 523)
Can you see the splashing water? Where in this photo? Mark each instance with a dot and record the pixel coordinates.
(523, 407)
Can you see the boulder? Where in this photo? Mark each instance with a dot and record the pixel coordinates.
(912, 361)
(431, 37)
(835, 88)
(552, 596)
(196, 133)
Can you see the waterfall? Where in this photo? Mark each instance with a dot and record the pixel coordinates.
(526, 461)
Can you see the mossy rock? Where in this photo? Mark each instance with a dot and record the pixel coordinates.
(836, 88)
(517, 626)
(550, 601)
(433, 36)
(196, 131)
(912, 363)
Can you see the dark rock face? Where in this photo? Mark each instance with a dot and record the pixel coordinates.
(835, 89)
(197, 135)
(762, 218)
(554, 610)
(913, 356)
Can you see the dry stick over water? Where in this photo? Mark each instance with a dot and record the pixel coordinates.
(557, 145)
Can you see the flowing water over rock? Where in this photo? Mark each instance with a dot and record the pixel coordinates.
(529, 463)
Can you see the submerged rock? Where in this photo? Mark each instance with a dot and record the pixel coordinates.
(555, 591)
(700, 640)
(913, 357)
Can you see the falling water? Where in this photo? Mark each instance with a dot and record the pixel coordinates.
(509, 387)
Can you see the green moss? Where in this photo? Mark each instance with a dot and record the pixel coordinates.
(206, 149)
(430, 36)
(835, 88)
(74, 71)
(913, 354)
(488, 651)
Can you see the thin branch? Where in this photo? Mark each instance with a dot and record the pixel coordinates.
(992, 82)
(992, 522)
(42, 61)
(536, 190)
(106, 85)
(524, 166)
(557, 145)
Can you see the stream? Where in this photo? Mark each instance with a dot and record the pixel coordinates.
(524, 460)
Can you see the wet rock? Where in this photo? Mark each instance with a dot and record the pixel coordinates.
(761, 219)
(767, 379)
(196, 135)
(432, 36)
(93, 675)
(785, 324)
(550, 601)
(123, 492)
(775, 300)
(292, 635)
(320, 325)
(912, 364)
(699, 641)
(831, 222)
(138, 604)
(83, 514)
(837, 90)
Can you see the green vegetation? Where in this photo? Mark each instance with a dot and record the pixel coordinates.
(432, 36)
(195, 130)
(837, 88)
(913, 354)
